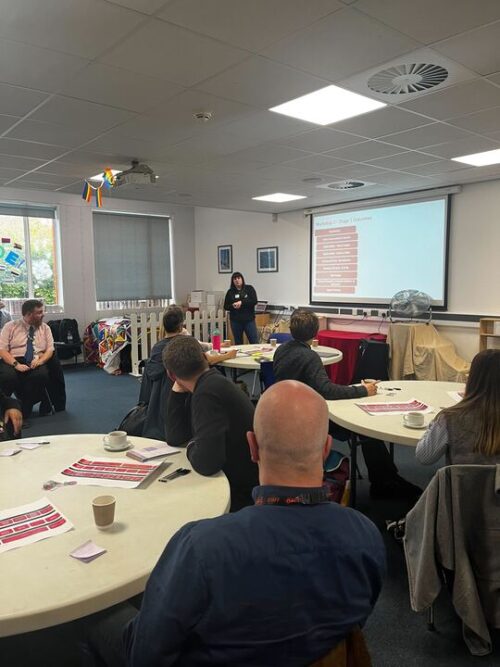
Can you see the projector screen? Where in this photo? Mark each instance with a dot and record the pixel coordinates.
(365, 255)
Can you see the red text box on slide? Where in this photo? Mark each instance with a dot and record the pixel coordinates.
(337, 290)
(335, 231)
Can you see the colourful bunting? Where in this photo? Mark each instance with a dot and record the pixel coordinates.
(98, 198)
(87, 192)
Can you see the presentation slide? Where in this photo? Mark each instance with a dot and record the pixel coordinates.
(367, 255)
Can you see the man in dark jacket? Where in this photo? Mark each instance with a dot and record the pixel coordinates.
(295, 360)
(212, 415)
(278, 584)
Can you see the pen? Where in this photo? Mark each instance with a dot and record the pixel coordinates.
(42, 442)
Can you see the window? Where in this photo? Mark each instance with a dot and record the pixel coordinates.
(132, 257)
(28, 254)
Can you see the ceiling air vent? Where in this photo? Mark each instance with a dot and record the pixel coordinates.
(407, 79)
(345, 185)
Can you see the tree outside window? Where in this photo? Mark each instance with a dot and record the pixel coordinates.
(28, 266)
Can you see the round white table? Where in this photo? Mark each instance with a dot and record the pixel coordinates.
(388, 427)
(247, 360)
(40, 584)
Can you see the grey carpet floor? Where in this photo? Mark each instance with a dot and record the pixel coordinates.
(396, 636)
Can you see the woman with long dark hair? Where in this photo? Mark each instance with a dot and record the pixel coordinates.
(469, 432)
(240, 302)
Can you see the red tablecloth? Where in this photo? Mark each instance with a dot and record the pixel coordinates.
(348, 343)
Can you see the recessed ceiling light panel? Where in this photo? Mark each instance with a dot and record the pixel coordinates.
(279, 197)
(328, 105)
(480, 159)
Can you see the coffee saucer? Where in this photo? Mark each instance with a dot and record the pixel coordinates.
(417, 427)
(129, 445)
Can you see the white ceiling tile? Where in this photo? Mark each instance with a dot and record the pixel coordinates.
(121, 88)
(435, 168)
(114, 147)
(478, 49)
(321, 140)
(42, 69)
(355, 170)
(472, 144)
(394, 178)
(461, 99)
(262, 83)
(7, 174)
(428, 135)
(404, 160)
(6, 122)
(381, 122)
(144, 6)
(494, 78)
(80, 27)
(21, 163)
(155, 49)
(79, 114)
(64, 169)
(367, 150)
(269, 154)
(51, 133)
(234, 164)
(241, 23)
(18, 101)
(55, 179)
(481, 122)
(28, 184)
(319, 163)
(328, 49)
(266, 126)
(29, 149)
(429, 21)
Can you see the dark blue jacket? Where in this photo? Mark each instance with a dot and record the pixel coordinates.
(268, 586)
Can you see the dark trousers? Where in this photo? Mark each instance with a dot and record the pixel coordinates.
(239, 328)
(28, 386)
(103, 644)
(381, 468)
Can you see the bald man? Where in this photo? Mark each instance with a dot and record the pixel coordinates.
(276, 584)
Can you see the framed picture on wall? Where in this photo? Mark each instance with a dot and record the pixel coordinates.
(267, 259)
(225, 258)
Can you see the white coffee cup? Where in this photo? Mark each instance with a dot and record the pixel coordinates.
(415, 419)
(116, 440)
(273, 341)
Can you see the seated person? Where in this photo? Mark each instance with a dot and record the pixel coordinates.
(156, 385)
(5, 316)
(278, 584)
(11, 418)
(213, 415)
(294, 360)
(26, 346)
(468, 432)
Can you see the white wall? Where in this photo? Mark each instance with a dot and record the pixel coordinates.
(474, 272)
(77, 246)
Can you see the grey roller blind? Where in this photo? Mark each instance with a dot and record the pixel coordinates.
(25, 210)
(132, 257)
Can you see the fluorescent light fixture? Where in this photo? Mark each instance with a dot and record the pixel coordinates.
(279, 197)
(480, 159)
(328, 105)
(98, 177)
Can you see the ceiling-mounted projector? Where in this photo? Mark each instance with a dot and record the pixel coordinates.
(138, 174)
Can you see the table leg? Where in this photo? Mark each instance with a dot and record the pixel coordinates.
(391, 450)
(234, 374)
(354, 442)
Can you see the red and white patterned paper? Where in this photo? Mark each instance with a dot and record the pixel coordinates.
(30, 523)
(400, 408)
(94, 471)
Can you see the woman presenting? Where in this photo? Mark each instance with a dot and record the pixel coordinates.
(240, 302)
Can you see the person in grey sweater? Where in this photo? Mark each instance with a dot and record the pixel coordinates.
(295, 360)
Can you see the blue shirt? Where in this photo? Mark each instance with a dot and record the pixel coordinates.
(277, 583)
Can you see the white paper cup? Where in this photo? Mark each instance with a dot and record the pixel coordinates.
(414, 419)
(116, 439)
(315, 342)
(273, 341)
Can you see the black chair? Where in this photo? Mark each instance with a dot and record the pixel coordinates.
(373, 361)
(67, 343)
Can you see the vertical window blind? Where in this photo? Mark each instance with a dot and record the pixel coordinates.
(132, 257)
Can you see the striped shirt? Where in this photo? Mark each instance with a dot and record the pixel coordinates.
(434, 443)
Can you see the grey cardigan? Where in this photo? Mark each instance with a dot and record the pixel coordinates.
(456, 525)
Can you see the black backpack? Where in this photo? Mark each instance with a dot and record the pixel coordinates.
(68, 332)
